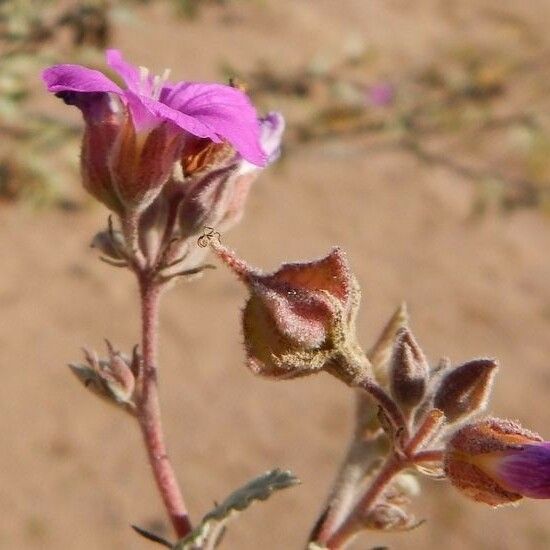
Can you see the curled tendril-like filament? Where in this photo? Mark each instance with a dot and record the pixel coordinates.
(207, 236)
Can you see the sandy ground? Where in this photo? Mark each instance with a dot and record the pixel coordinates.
(72, 472)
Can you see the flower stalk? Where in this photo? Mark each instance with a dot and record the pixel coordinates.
(148, 409)
(397, 461)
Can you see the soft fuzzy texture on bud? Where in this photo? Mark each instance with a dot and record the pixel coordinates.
(465, 390)
(498, 462)
(381, 352)
(219, 180)
(409, 371)
(141, 165)
(111, 379)
(300, 318)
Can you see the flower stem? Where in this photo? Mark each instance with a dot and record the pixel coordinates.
(352, 524)
(149, 410)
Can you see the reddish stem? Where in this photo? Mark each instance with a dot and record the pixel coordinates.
(149, 411)
(436, 455)
(352, 523)
(393, 465)
(429, 426)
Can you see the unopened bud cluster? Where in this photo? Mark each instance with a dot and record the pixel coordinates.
(300, 320)
(113, 379)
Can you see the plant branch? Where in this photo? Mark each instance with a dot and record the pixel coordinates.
(352, 524)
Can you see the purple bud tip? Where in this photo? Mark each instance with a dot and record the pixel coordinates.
(527, 470)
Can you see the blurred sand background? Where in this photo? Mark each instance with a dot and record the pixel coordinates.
(72, 472)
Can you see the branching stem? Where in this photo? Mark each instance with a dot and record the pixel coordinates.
(400, 459)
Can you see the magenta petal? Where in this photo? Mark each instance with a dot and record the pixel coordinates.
(75, 78)
(129, 73)
(148, 112)
(527, 471)
(226, 111)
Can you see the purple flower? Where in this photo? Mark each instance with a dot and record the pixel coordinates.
(134, 136)
(526, 470)
(498, 462)
(381, 95)
(213, 111)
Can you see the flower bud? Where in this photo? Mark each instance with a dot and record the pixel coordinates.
(409, 371)
(140, 164)
(465, 390)
(498, 462)
(112, 379)
(120, 167)
(381, 352)
(111, 244)
(103, 118)
(299, 319)
(389, 517)
(219, 180)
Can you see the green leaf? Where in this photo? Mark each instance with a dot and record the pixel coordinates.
(208, 533)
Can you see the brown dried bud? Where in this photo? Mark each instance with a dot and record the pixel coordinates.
(465, 390)
(409, 371)
(299, 319)
(112, 379)
(200, 155)
(389, 517)
(497, 462)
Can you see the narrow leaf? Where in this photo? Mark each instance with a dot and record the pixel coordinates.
(259, 488)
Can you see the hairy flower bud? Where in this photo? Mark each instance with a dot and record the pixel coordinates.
(498, 462)
(465, 390)
(99, 137)
(409, 371)
(219, 180)
(381, 352)
(141, 164)
(299, 319)
(112, 379)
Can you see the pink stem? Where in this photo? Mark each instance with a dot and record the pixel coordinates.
(149, 411)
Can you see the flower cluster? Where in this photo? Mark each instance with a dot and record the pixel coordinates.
(301, 319)
(169, 158)
(173, 159)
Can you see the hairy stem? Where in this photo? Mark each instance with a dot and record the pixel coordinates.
(149, 410)
(362, 457)
(352, 523)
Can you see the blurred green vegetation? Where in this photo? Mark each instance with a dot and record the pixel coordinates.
(477, 112)
(38, 151)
